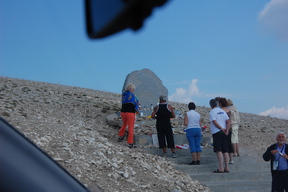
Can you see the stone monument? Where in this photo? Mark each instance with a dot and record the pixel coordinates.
(148, 88)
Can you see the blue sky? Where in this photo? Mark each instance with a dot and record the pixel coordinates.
(200, 49)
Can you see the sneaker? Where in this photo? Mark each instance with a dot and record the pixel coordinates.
(164, 155)
(131, 145)
(174, 155)
(198, 162)
(231, 162)
(120, 138)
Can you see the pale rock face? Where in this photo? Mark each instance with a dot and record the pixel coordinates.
(69, 123)
(148, 87)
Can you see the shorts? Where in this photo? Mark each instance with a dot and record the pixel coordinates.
(220, 142)
(234, 137)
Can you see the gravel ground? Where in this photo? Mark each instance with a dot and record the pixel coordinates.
(69, 123)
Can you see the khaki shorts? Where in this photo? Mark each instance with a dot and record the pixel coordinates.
(234, 137)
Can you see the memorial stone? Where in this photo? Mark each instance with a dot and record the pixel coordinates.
(148, 88)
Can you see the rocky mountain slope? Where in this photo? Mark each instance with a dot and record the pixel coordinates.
(69, 123)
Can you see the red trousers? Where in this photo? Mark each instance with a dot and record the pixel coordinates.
(128, 120)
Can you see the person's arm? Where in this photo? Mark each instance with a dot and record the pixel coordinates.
(228, 124)
(135, 102)
(200, 122)
(273, 151)
(185, 119)
(153, 115)
(286, 152)
(218, 126)
(268, 155)
(285, 156)
(172, 111)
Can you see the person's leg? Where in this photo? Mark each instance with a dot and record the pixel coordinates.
(285, 182)
(277, 184)
(237, 149)
(164, 149)
(130, 122)
(197, 139)
(225, 149)
(198, 136)
(226, 160)
(124, 125)
(199, 156)
(274, 185)
(193, 145)
(234, 139)
(170, 139)
(217, 148)
(173, 150)
(190, 139)
(230, 155)
(230, 148)
(161, 140)
(220, 160)
(194, 156)
(217, 143)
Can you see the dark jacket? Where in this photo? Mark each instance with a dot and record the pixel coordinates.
(268, 156)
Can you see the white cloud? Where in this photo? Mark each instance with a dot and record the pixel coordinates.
(185, 95)
(276, 112)
(274, 18)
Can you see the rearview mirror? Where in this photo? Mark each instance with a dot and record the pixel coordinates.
(104, 18)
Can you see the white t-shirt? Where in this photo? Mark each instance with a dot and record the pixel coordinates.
(193, 119)
(220, 116)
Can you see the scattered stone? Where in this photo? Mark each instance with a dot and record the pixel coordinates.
(70, 125)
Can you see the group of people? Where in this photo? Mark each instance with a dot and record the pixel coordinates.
(224, 118)
(162, 113)
(224, 124)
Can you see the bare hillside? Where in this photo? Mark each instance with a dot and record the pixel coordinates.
(69, 123)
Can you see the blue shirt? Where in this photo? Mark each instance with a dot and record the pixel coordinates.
(282, 162)
(129, 98)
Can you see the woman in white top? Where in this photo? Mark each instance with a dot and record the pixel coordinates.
(192, 121)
